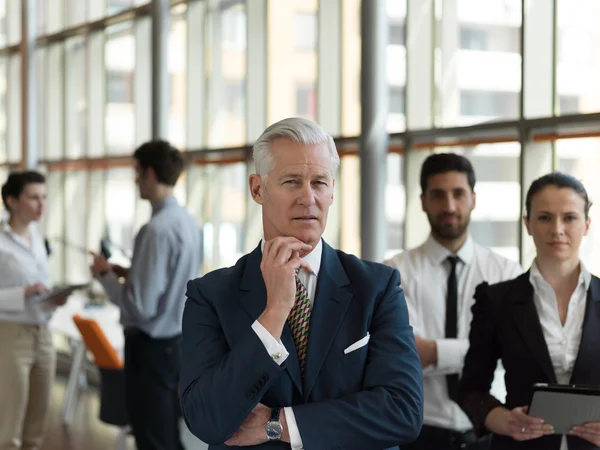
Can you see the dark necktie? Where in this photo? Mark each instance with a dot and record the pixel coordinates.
(451, 321)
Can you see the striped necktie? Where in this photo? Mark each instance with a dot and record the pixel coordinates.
(299, 320)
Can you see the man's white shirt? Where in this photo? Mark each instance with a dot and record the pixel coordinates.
(276, 348)
(424, 273)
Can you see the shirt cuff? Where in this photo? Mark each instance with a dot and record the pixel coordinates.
(275, 348)
(451, 354)
(12, 299)
(293, 431)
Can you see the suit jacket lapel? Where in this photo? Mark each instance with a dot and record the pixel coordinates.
(589, 336)
(254, 300)
(330, 305)
(528, 324)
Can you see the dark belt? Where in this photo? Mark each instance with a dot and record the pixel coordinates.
(456, 439)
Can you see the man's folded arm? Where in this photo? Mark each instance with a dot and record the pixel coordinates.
(389, 411)
(219, 385)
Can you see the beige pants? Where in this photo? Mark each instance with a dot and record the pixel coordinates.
(27, 369)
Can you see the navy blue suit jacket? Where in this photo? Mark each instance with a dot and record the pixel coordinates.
(367, 399)
(506, 326)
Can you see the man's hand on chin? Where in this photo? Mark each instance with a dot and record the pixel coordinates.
(252, 430)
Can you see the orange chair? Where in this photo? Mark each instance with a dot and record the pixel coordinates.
(112, 393)
(105, 356)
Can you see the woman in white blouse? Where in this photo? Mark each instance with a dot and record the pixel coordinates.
(27, 357)
(544, 325)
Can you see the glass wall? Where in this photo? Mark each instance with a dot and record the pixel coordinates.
(235, 66)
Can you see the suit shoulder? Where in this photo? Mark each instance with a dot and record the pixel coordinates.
(497, 291)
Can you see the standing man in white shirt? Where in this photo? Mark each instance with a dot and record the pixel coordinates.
(439, 279)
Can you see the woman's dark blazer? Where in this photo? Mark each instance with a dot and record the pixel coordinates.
(506, 326)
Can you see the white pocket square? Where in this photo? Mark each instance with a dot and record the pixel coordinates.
(358, 344)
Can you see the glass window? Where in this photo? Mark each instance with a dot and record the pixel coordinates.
(75, 12)
(396, 65)
(14, 108)
(350, 73)
(3, 111)
(581, 159)
(3, 31)
(226, 73)
(115, 6)
(217, 198)
(578, 59)
(477, 61)
(119, 207)
(120, 109)
(76, 260)
(53, 148)
(305, 31)
(397, 101)
(54, 222)
(76, 98)
(395, 204)
(13, 18)
(349, 200)
(306, 101)
(292, 61)
(177, 76)
(489, 105)
(396, 36)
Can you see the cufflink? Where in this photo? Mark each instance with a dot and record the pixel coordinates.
(276, 355)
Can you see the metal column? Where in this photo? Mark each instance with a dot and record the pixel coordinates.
(160, 70)
(374, 138)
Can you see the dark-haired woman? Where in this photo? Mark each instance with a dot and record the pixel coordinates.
(27, 357)
(543, 325)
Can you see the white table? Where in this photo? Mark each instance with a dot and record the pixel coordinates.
(107, 317)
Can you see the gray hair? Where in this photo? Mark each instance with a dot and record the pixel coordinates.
(295, 129)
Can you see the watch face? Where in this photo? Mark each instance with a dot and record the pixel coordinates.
(274, 430)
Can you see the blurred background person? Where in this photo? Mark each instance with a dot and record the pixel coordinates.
(544, 326)
(166, 255)
(439, 279)
(27, 356)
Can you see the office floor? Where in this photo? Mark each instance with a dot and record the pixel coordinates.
(88, 433)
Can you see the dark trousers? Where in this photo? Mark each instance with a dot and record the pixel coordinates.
(434, 438)
(151, 381)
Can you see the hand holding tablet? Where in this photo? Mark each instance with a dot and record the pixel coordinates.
(565, 406)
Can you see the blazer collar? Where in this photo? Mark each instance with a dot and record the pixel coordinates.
(332, 299)
(528, 323)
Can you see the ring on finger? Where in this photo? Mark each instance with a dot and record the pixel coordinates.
(523, 430)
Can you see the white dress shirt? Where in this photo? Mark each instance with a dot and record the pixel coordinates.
(424, 272)
(22, 263)
(562, 341)
(276, 348)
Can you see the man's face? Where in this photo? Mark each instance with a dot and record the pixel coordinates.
(448, 203)
(298, 193)
(143, 179)
(30, 205)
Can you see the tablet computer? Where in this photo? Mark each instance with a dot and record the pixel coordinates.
(565, 405)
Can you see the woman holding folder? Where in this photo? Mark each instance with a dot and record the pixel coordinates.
(544, 325)
(27, 357)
